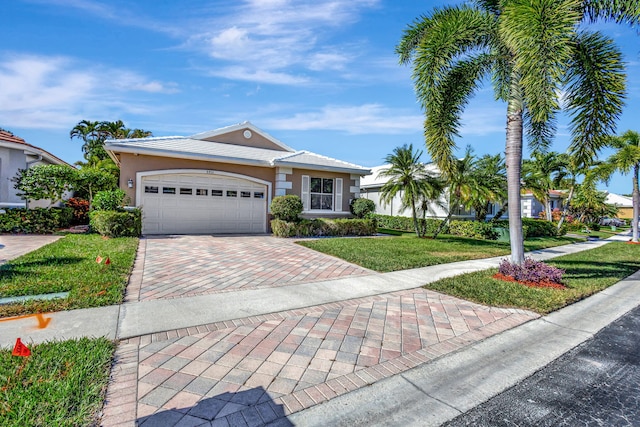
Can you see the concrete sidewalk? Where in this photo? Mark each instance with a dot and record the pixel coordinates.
(348, 351)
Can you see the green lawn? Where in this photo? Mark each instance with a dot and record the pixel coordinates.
(69, 264)
(60, 384)
(400, 253)
(586, 273)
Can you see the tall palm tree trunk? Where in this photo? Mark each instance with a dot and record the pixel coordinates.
(513, 160)
(415, 217)
(636, 204)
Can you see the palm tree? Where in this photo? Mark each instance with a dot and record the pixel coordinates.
(491, 172)
(407, 176)
(626, 160)
(589, 204)
(464, 187)
(533, 50)
(542, 173)
(88, 131)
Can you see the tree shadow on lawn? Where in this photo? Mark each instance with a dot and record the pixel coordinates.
(249, 407)
(10, 269)
(596, 269)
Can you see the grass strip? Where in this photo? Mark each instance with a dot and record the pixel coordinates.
(587, 272)
(62, 383)
(399, 253)
(69, 264)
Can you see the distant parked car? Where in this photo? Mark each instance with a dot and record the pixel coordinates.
(615, 222)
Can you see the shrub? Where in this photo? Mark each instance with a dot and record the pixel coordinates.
(117, 223)
(594, 226)
(474, 229)
(286, 208)
(109, 200)
(531, 271)
(37, 220)
(80, 210)
(539, 228)
(360, 208)
(323, 227)
(429, 225)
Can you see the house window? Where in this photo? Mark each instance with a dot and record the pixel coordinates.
(245, 194)
(150, 189)
(216, 193)
(232, 193)
(321, 190)
(168, 190)
(186, 191)
(201, 191)
(258, 195)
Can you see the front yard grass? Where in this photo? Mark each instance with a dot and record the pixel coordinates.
(587, 272)
(69, 264)
(60, 384)
(399, 253)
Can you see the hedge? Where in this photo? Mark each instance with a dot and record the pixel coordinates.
(474, 229)
(117, 223)
(323, 227)
(533, 227)
(430, 225)
(37, 220)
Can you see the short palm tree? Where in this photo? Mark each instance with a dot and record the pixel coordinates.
(491, 172)
(626, 160)
(542, 173)
(533, 50)
(408, 177)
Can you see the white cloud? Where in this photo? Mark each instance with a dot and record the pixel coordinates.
(360, 119)
(278, 35)
(49, 92)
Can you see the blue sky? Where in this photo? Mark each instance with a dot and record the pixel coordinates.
(318, 75)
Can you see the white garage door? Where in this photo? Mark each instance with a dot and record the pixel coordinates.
(202, 204)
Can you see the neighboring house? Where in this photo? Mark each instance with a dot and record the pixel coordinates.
(623, 203)
(16, 154)
(371, 188)
(223, 181)
(533, 208)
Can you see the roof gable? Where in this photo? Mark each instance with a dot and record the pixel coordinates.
(8, 140)
(245, 134)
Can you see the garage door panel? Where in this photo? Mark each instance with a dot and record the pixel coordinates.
(200, 203)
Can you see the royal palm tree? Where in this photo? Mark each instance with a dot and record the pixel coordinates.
(408, 177)
(534, 51)
(626, 160)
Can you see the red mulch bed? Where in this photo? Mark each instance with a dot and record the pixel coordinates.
(543, 284)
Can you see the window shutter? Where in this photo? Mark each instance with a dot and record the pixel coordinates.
(305, 196)
(338, 189)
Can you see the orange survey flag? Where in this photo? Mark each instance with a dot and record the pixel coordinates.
(20, 349)
(98, 259)
(107, 262)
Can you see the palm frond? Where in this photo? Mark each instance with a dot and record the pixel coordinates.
(595, 93)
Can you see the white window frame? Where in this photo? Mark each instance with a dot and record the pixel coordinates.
(306, 195)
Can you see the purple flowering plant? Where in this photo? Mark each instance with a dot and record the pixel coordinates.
(531, 271)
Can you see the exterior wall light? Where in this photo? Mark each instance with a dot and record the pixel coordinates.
(130, 183)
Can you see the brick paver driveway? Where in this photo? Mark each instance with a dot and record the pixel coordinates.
(12, 246)
(179, 266)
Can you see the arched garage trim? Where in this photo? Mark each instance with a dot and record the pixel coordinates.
(140, 175)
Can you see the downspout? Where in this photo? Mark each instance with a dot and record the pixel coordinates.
(26, 201)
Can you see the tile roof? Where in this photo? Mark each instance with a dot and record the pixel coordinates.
(8, 137)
